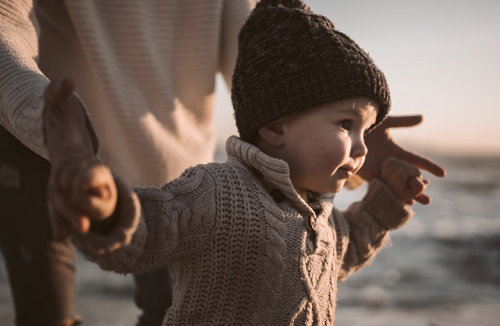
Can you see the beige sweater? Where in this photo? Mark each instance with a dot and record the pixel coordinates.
(236, 234)
(145, 70)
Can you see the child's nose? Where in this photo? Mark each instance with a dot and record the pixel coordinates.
(359, 149)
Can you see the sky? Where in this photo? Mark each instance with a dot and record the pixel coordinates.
(441, 59)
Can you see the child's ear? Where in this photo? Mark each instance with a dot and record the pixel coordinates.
(272, 133)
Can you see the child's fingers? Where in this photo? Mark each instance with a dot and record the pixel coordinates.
(405, 180)
(96, 194)
(88, 187)
(410, 201)
(98, 206)
(84, 224)
(62, 210)
(417, 184)
(423, 199)
(389, 162)
(97, 180)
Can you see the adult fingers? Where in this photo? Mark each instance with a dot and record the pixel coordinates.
(58, 91)
(60, 229)
(62, 210)
(73, 173)
(64, 172)
(402, 121)
(423, 163)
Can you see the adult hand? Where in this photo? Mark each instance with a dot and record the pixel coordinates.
(381, 146)
(80, 187)
(64, 123)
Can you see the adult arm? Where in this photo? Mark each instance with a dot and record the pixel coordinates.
(234, 15)
(22, 84)
(119, 229)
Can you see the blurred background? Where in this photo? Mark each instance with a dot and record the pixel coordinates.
(441, 59)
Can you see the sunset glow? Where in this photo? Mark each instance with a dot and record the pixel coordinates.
(440, 59)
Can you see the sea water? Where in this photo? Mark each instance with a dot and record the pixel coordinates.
(442, 268)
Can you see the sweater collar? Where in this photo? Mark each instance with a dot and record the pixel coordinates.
(273, 172)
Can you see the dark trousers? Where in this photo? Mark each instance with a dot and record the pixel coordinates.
(42, 271)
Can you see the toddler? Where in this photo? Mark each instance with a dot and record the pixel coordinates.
(255, 240)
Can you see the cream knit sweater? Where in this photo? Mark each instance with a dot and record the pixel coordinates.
(145, 70)
(236, 236)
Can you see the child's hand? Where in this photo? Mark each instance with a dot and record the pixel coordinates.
(81, 188)
(405, 181)
(80, 191)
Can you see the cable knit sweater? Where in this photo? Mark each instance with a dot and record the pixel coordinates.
(236, 234)
(145, 70)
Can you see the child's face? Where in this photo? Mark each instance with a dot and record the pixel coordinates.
(324, 146)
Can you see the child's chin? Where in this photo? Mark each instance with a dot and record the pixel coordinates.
(331, 188)
(338, 187)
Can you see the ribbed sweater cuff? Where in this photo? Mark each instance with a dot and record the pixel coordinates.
(385, 207)
(94, 244)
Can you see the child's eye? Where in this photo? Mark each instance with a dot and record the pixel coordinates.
(345, 124)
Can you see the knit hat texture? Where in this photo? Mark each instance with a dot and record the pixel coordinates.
(290, 60)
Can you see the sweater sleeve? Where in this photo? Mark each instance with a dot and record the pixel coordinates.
(155, 225)
(234, 15)
(366, 225)
(21, 82)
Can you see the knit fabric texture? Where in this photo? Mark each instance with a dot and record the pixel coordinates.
(143, 69)
(290, 60)
(236, 235)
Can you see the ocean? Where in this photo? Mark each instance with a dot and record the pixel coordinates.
(442, 268)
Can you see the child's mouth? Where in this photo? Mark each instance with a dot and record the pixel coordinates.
(348, 172)
(349, 169)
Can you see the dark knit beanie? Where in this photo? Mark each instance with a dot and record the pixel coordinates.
(290, 60)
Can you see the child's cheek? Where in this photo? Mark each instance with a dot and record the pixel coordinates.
(361, 162)
(337, 155)
(332, 162)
